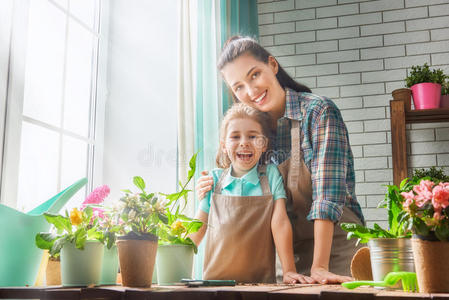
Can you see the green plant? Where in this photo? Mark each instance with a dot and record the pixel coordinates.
(76, 228)
(398, 225)
(420, 74)
(445, 87)
(139, 213)
(176, 227)
(433, 173)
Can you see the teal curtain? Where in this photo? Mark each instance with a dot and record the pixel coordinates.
(216, 20)
(237, 18)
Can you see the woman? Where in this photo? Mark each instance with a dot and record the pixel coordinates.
(313, 153)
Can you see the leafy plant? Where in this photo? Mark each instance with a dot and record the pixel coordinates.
(176, 228)
(139, 213)
(427, 205)
(76, 228)
(433, 173)
(398, 223)
(445, 87)
(420, 74)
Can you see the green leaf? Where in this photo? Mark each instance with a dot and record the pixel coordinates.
(163, 218)
(45, 240)
(193, 226)
(127, 191)
(442, 233)
(192, 165)
(139, 182)
(57, 246)
(80, 238)
(420, 227)
(60, 222)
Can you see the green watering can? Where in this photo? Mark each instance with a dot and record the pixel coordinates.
(19, 256)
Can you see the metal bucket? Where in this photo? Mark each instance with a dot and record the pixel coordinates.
(390, 255)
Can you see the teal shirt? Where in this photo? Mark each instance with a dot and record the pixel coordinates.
(247, 185)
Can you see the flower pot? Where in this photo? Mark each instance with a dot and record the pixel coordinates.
(444, 101)
(81, 267)
(53, 272)
(426, 95)
(109, 269)
(174, 262)
(390, 255)
(432, 267)
(404, 95)
(137, 258)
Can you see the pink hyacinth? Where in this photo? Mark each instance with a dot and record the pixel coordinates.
(440, 196)
(97, 196)
(423, 192)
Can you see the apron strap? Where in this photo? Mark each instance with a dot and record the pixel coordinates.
(263, 178)
(219, 184)
(295, 157)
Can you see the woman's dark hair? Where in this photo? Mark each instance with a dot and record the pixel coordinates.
(236, 46)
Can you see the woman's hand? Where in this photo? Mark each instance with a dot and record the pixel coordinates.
(293, 277)
(203, 185)
(323, 276)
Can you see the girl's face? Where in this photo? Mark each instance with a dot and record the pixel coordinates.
(254, 83)
(244, 144)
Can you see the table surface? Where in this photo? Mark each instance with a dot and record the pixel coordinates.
(256, 291)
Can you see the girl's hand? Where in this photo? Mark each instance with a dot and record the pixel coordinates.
(204, 185)
(293, 277)
(323, 276)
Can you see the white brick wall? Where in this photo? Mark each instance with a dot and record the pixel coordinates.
(357, 52)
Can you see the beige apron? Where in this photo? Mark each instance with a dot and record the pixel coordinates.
(298, 186)
(239, 242)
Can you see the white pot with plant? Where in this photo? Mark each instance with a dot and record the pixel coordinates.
(78, 242)
(176, 249)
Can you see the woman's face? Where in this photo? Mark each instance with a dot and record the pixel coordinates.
(254, 83)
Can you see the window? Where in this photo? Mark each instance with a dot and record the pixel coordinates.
(51, 102)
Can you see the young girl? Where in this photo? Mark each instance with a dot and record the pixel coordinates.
(246, 211)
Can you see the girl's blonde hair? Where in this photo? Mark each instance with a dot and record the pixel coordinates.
(242, 111)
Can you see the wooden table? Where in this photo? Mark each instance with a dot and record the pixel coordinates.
(239, 292)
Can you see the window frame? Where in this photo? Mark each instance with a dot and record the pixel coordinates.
(12, 118)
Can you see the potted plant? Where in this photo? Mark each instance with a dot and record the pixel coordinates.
(390, 249)
(176, 249)
(109, 228)
(426, 204)
(426, 86)
(53, 271)
(77, 241)
(139, 215)
(444, 102)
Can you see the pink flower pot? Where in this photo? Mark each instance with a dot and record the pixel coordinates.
(426, 95)
(444, 102)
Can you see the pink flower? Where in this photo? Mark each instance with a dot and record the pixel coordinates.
(97, 196)
(440, 196)
(423, 192)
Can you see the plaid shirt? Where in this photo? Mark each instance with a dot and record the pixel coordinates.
(327, 153)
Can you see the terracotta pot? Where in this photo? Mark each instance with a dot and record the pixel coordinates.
(432, 265)
(53, 272)
(137, 258)
(405, 95)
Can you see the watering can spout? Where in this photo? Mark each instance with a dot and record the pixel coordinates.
(20, 256)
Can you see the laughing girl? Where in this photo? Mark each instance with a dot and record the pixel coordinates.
(245, 215)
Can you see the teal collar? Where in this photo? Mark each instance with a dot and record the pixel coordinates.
(252, 177)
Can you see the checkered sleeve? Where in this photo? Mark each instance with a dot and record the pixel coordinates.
(329, 161)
